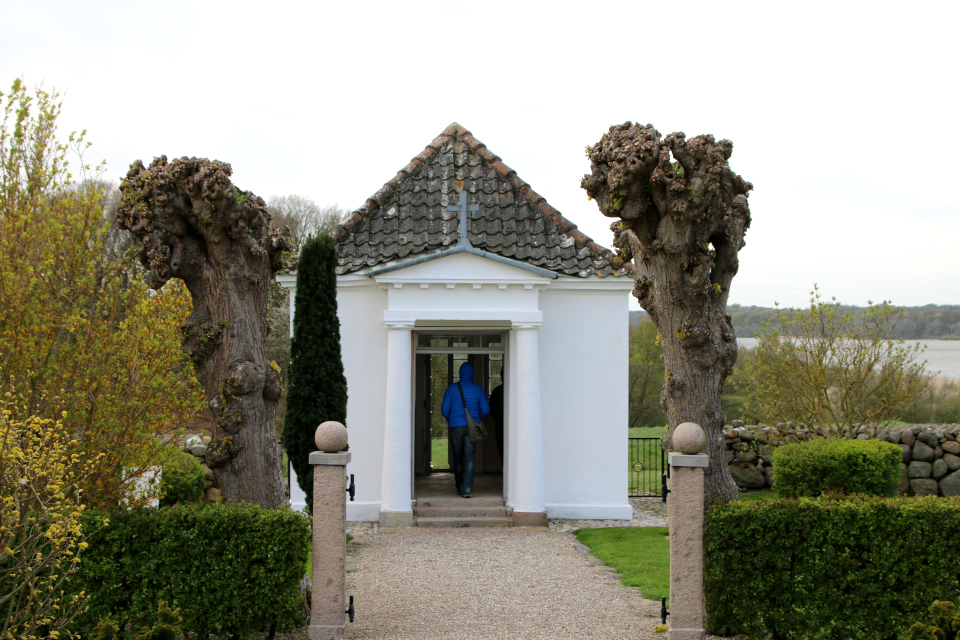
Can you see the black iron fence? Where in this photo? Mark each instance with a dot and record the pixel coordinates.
(647, 463)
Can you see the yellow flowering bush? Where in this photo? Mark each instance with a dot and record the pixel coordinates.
(40, 534)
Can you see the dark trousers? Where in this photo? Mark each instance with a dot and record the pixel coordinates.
(463, 450)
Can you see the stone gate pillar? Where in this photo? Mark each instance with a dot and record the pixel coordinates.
(329, 581)
(686, 515)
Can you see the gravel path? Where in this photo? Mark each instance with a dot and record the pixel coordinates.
(434, 584)
(463, 584)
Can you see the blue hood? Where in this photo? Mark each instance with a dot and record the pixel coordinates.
(466, 372)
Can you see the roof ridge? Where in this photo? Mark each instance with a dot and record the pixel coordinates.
(374, 202)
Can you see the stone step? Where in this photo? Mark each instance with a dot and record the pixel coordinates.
(461, 511)
(459, 523)
(457, 501)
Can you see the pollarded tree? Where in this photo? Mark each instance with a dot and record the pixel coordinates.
(683, 214)
(190, 222)
(318, 388)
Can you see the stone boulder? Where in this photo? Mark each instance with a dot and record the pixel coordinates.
(907, 437)
(951, 446)
(939, 469)
(930, 438)
(920, 470)
(747, 476)
(924, 486)
(952, 461)
(950, 485)
(923, 452)
(906, 453)
(747, 457)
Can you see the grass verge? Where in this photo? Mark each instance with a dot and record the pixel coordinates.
(641, 555)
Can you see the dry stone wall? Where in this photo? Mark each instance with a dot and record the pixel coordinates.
(930, 454)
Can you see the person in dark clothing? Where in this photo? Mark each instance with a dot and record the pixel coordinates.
(453, 410)
(496, 412)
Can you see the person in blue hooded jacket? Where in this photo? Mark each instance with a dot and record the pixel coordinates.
(452, 409)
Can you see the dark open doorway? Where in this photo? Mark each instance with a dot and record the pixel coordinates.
(437, 365)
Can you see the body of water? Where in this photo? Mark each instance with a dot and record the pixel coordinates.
(941, 355)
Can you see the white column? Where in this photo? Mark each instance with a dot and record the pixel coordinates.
(395, 498)
(528, 503)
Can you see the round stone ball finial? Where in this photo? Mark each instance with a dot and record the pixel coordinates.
(331, 437)
(688, 438)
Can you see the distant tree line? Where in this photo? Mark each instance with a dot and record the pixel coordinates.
(929, 322)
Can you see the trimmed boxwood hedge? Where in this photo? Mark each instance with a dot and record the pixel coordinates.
(848, 466)
(231, 569)
(852, 567)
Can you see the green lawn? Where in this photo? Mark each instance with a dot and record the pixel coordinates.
(647, 432)
(641, 555)
(438, 455)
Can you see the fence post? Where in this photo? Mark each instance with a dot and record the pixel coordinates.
(686, 514)
(329, 581)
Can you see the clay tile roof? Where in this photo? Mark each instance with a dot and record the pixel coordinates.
(408, 216)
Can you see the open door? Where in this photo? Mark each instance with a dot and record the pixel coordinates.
(438, 361)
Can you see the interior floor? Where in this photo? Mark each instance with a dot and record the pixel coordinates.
(440, 485)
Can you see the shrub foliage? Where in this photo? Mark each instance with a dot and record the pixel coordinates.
(846, 466)
(231, 569)
(857, 567)
(182, 480)
(40, 531)
(831, 370)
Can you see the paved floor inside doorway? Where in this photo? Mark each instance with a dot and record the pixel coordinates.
(440, 484)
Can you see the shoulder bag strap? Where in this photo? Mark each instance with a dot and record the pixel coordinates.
(462, 398)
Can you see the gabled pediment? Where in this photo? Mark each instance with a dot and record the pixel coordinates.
(462, 267)
(457, 192)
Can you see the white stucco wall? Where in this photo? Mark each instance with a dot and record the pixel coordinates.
(363, 345)
(583, 365)
(583, 357)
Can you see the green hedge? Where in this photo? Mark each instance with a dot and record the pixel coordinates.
(182, 479)
(848, 466)
(232, 569)
(831, 567)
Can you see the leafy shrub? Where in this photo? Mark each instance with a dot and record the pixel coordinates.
(182, 479)
(231, 569)
(946, 623)
(830, 567)
(40, 533)
(848, 466)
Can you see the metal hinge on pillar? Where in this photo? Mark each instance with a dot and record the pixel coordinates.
(351, 488)
(350, 610)
(664, 612)
(663, 484)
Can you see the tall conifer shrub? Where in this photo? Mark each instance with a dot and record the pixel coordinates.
(317, 386)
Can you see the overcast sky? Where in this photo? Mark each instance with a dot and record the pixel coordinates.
(842, 114)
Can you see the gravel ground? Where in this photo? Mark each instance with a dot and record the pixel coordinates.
(427, 584)
(493, 584)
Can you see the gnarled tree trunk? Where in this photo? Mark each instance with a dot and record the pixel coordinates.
(190, 222)
(683, 214)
